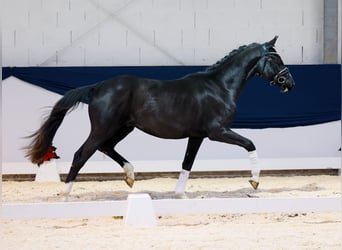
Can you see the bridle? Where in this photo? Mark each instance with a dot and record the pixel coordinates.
(280, 77)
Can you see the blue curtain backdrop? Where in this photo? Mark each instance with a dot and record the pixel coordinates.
(315, 99)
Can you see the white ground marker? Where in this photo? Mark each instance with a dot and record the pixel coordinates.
(140, 211)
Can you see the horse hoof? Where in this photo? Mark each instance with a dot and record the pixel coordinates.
(64, 196)
(129, 170)
(254, 184)
(129, 181)
(67, 189)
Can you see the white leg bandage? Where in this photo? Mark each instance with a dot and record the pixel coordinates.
(255, 167)
(129, 170)
(181, 183)
(67, 190)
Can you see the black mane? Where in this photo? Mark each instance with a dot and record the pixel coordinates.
(229, 57)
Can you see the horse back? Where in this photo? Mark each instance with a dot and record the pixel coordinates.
(169, 109)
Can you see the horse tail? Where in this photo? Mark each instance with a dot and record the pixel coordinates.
(41, 140)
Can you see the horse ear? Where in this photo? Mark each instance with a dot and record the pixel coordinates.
(272, 42)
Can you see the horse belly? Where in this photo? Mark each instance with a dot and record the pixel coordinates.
(168, 126)
(167, 110)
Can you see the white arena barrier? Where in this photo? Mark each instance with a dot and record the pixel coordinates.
(171, 207)
(140, 211)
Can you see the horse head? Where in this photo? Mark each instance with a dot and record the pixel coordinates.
(271, 67)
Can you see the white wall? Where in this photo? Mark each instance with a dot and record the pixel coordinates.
(153, 32)
(23, 107)
(156, 32)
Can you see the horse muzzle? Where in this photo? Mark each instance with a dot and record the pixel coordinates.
(284, 80)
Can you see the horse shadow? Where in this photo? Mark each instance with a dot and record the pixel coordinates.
(159, 195)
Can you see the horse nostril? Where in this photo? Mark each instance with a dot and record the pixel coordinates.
(291, 86)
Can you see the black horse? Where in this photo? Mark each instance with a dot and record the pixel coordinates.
(197, 106)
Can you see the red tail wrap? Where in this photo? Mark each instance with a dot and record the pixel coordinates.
(51, 154)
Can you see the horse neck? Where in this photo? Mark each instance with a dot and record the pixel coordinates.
(234, 74)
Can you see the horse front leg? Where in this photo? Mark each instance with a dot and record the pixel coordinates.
(190, 154)
(255, 169)
(229, 136)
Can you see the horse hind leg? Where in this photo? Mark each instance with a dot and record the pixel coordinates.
(129, 170)
(66, 191)
(126, 165)
(108, 149)
(80, 158)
